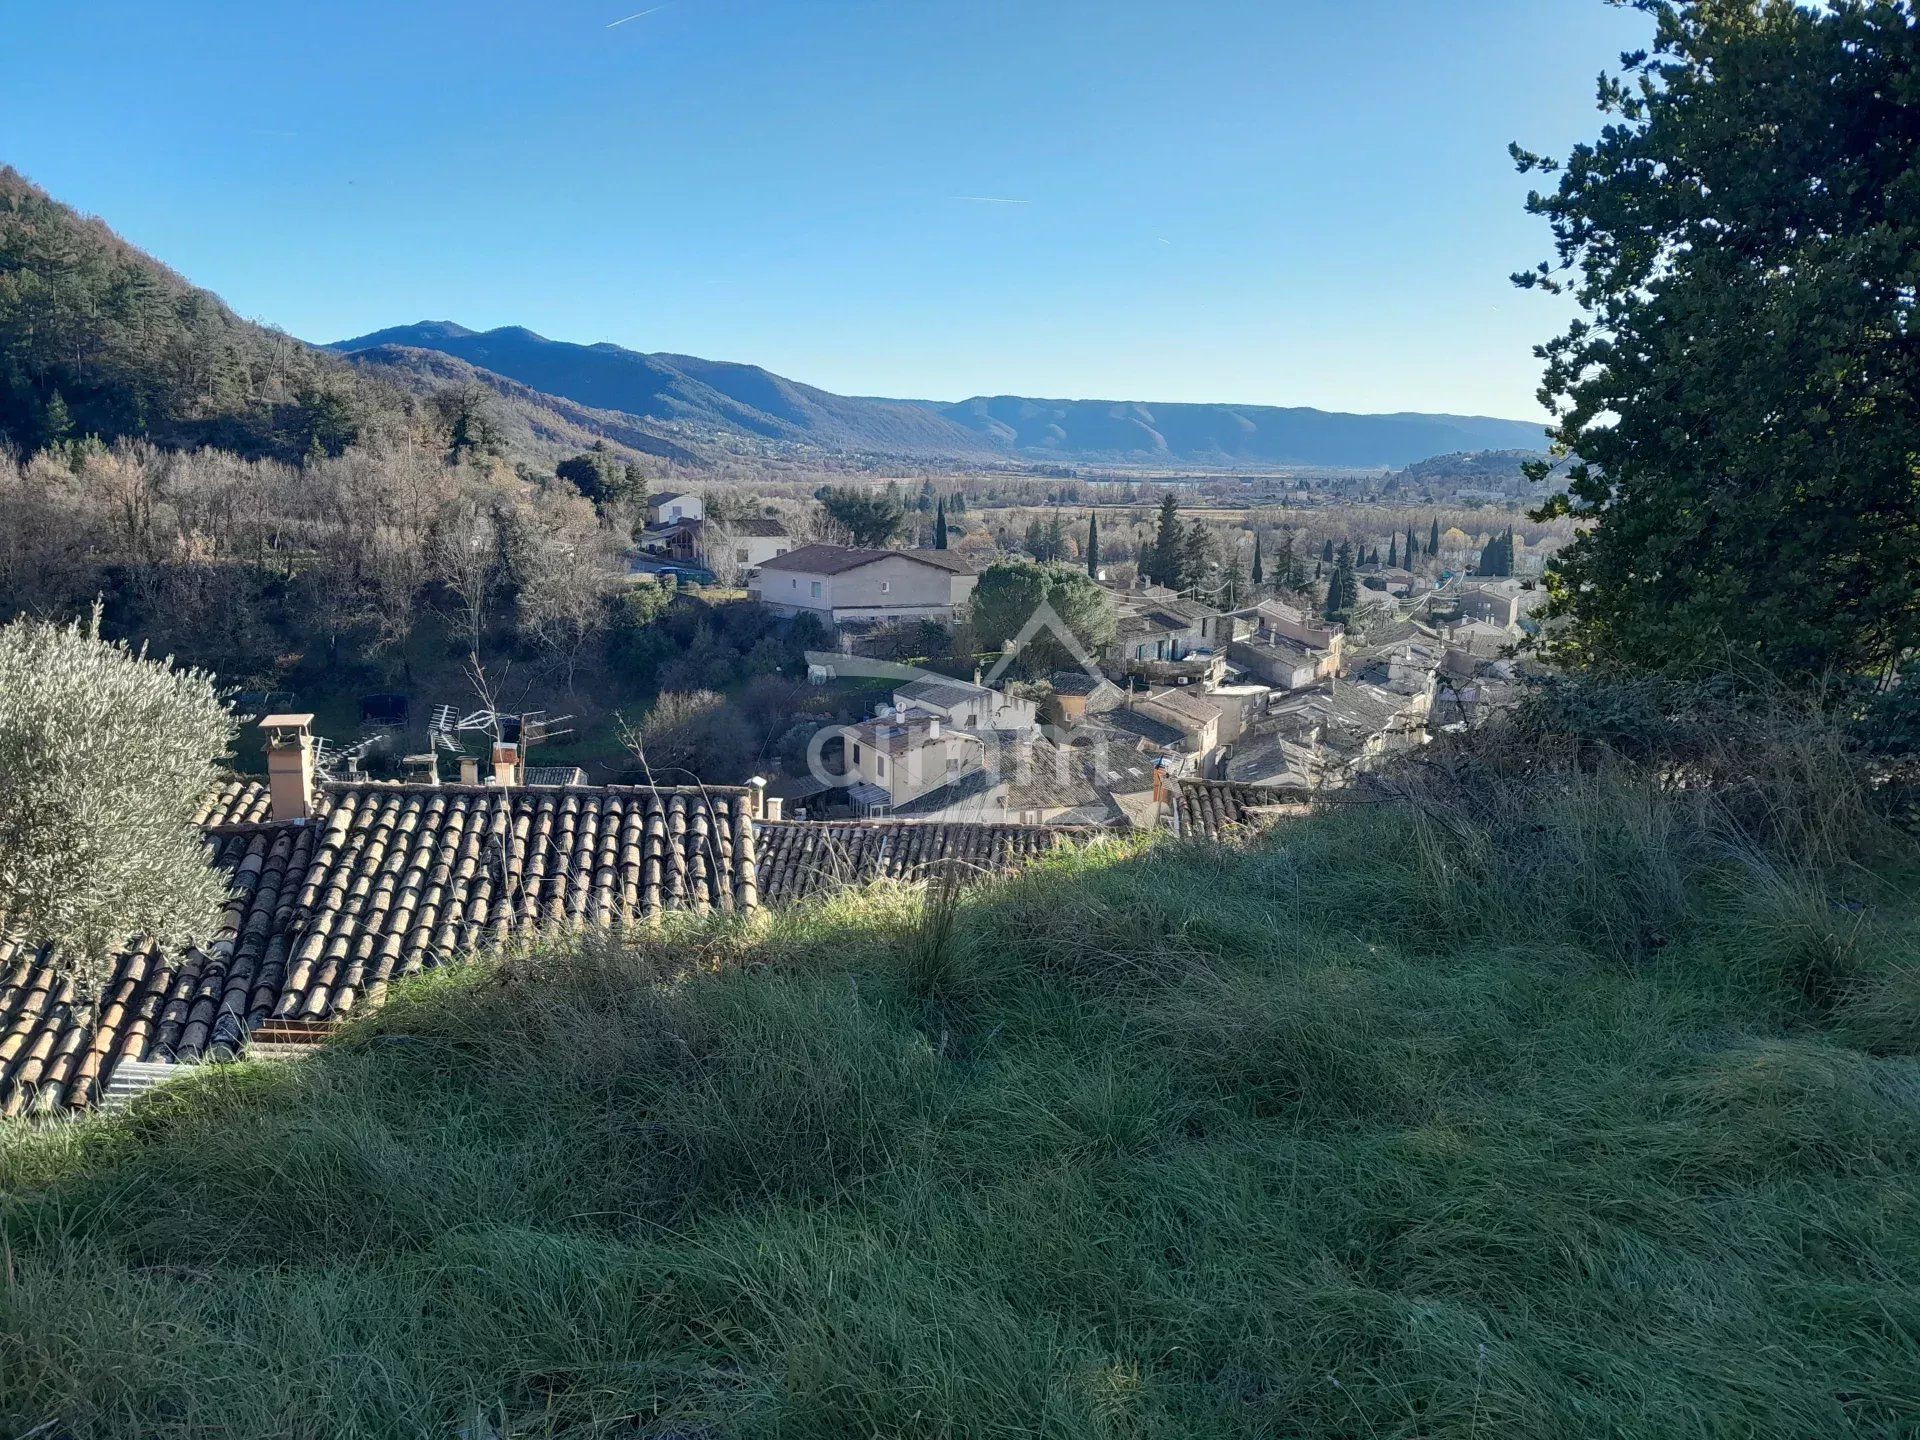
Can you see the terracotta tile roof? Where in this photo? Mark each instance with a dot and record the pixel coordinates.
(799, 859)
(383, 881)
(1214, 809)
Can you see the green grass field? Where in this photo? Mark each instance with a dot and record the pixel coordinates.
(1592, 1114)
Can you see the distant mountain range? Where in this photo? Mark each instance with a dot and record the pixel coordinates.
(97, 338)
(721, 399)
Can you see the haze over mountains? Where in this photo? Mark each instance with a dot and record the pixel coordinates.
(751, 402)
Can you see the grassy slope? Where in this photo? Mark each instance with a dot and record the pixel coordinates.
(1361, 1132)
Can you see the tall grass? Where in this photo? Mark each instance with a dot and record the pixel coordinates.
(1575, 1092)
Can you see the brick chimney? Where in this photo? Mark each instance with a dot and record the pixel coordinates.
(290, 766)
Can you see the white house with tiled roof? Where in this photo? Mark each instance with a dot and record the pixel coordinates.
(843, 585)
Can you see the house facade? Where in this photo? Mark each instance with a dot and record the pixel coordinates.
(749, 543)
(843, 586)
(893, 760)
(671, 507)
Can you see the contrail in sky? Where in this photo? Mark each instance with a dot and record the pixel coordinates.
(990, 199)
(637, 15)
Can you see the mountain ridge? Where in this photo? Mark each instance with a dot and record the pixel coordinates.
(749, 400)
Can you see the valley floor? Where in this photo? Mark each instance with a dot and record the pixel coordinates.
(1382, 1126)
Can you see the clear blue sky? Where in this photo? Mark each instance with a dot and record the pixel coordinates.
(1263, 201)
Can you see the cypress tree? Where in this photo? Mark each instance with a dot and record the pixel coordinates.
(1093, 546)
(1165, 557)
(1259, 573)
(1326, 552)
(1393, 551)
(939, 524)
(1343, 591)
(1433, 537)
(1196, 556)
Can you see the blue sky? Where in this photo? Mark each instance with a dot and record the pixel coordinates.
(1263, 201)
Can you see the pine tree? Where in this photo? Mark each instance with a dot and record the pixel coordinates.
(1287, 572)
(939, 524)
(1093, 546)
(56, 421)
(1259, 573)
(1056, 537)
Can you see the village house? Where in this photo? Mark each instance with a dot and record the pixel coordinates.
(750, 543)
(672, 507)
(1284, 647)
(1194, 715)
(966, 705)
(894, 759)
(842, 586)
(1503, 603)
(1076, 693)
(1325, 736)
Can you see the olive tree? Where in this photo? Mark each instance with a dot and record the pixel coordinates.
(105, 756)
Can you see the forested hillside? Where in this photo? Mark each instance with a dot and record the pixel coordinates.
(97, 338)
(100, 339)
(529, 424)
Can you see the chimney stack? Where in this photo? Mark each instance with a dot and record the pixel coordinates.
(469, 769)
(423, 769)
(506, 763)
(290, 766)
(757, 799)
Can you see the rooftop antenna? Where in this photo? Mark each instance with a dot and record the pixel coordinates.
(330, 760)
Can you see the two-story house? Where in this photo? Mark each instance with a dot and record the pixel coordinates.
(966, 705)
(842, 585)
(893, 760)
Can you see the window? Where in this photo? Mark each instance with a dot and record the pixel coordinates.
(886, 586)
(740, 554)
(814, 590)
(880, 762)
